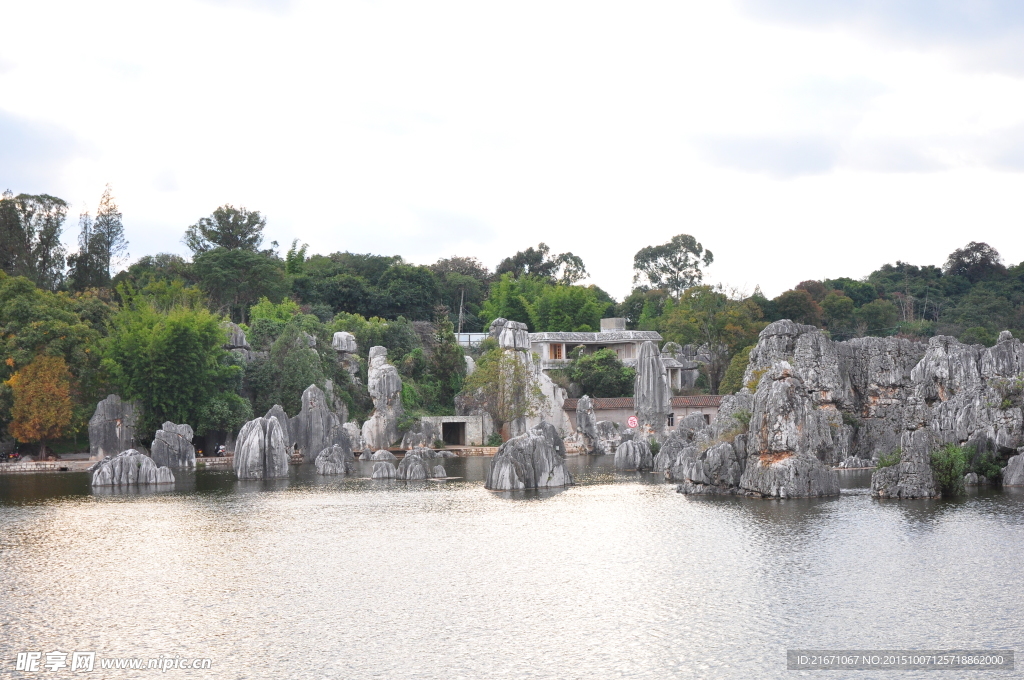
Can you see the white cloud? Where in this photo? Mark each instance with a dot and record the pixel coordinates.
(792, 144)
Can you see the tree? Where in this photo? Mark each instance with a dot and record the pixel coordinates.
(235, 279)
(838, 313)
(86, 270)
(816, 289)
(976, 262)
(108, 232)
(42, 401)
(722, 325)
(30, 245)
(733, 380)
(229, 228)
(295, 260)
(877, 318)
(173, 363)
(503, 385)
(448, 364)
(567, 308)
(675, 265)
(798, 306)
(601, 374)
(564, 268)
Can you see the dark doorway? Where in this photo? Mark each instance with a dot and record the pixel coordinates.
(454, 434)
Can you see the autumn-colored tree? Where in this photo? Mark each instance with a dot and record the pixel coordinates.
(42, 401)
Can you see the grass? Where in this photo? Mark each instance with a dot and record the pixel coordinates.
(889, 459)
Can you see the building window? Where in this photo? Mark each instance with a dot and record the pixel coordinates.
(707, 419)
(671, 419)
(556, 351)
(627, 352)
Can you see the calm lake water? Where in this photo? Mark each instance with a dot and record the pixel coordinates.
(619, 576)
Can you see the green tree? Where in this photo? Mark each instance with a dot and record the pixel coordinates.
(503, 385)
(601, 374)
(295, 260)
(567, 308)
(229, 228)
(85, 268)
(564, 268)
(30, 245)
(975, 262)
(236, 279)
(837, 311)
(798, 306)
(447, 365)
(173, 363)
(722, 325)
(878, 317)
(733, 380)
(511, 298)
(675, 265)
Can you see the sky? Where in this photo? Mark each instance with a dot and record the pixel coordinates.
(795, 139)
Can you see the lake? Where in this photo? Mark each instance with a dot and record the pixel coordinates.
(618, 576)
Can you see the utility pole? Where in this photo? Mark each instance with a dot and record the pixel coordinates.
(461, 300)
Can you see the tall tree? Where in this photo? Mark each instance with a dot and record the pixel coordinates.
(228, 227)
(236, 279)
(975, 261)
(108, 232)
(675, 265)
(30, 230)
(86, 267)
(448, 363)
(42, 401)
(503, 385)
(564, 268)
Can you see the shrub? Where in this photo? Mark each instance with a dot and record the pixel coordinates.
(890, 459)
(494, 439)
(949, 464)
(986, 465)
(851, 420)
(438, 444)
(743, 416)
(655, 447)
(756, 379)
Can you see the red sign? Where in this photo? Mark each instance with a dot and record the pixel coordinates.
(632, 422)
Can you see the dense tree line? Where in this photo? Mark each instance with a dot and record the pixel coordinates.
(74, 327)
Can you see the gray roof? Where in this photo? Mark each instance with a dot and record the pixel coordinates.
(606, 337)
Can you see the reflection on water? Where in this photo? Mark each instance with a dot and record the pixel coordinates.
(315, 576)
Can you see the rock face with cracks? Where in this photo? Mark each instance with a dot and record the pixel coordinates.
(316, 427)
(172, 446)
(384, 470)
(420, 434)
(416, 465)
(532, 460)
(112, 427)
(260, 450)
(129, 468)
(634, 455)
(651, 393)
(381, 429)
(336, 460)
(586, 425)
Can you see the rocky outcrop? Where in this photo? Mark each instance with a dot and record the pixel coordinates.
(336, 460)
(420, 434)
(316, 427)
(1013, 473)
(634, 455)
(384, 455)
(439, 472)
(344, 342)
(532, 460)
(355, 437)
(285, 422)
(586, 425)
(345, 345)
(609, 434)
(260, 450)
(678, 440)
(510, 334)
(470, 365)
(172, 447)
(912, 477)
(129, 468)
(384, 470)
(414, 466)
(381, 429)
(112, 427)
(652, 396)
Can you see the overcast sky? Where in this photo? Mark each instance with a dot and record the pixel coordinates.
(796, 139)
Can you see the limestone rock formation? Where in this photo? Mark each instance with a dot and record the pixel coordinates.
(609, 434)
(651, 393)
(172, 447)
(532, 460)
(420, 434)
(586, 425)
(384, 470)
(384, 455)
(439, 472)
(912, 477)
(510, 334)
(413, 467)
(316, 427)
(678, 440)
(112, 427)
(634, 455)
(260, 450)
(129, 468)
(470, 365)
(285, 422)
(381, 430)
(336, 460)
(1013, 473)
(355, 437)
(344, 342)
